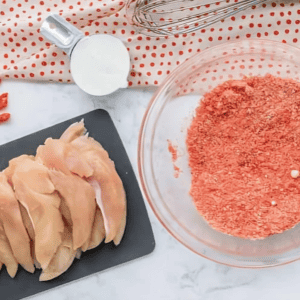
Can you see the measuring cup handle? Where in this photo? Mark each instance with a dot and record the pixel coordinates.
(60, 32)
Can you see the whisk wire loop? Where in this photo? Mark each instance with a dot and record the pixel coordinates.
(172, 17)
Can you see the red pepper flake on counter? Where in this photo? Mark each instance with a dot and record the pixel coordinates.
(3, 103)
(3, 100)
(173, 150)
(4, 117)
(244, 155)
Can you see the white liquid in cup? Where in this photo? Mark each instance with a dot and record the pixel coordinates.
(100, 64)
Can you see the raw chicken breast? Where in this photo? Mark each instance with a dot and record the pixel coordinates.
(11, 218)
(13, 163)
(29, 227)
(62, 259)
(24, 213)
(98, 232)
(120, 233)
(35, 191)
(63, 157)
(79, 197)
(27, 222)
(110, 194)
(6, 254)
(73, 131)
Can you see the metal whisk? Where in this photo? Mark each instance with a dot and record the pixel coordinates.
(171, 17)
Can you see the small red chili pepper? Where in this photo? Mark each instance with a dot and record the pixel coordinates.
(4, 117)
(3, 100)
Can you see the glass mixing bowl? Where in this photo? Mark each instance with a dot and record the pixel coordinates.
(168, 116)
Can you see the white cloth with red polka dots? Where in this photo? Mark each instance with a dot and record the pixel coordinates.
(25, 54)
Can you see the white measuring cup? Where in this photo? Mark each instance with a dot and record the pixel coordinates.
(100, 63)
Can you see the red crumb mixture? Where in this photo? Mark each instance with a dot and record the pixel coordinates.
(173, 150)
(243, 144)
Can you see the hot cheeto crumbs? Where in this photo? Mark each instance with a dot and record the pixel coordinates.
(244, 155)
(173, 150)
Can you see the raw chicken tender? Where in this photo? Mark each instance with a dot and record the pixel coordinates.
(35, 191)
(56, 154)
(73, 131)
(79, 197)
(62, 259)
(11, 218)
(98, 232)
(110, 194)
(6, 254)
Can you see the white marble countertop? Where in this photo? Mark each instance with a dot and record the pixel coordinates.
(171, 271)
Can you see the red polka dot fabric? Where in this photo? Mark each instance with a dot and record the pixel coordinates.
(26, 54)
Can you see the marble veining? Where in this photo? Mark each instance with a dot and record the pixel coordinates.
(171, 271)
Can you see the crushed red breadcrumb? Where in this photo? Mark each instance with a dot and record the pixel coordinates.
(173, 150)
(243, 144)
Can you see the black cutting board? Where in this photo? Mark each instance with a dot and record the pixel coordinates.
(138, 238)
